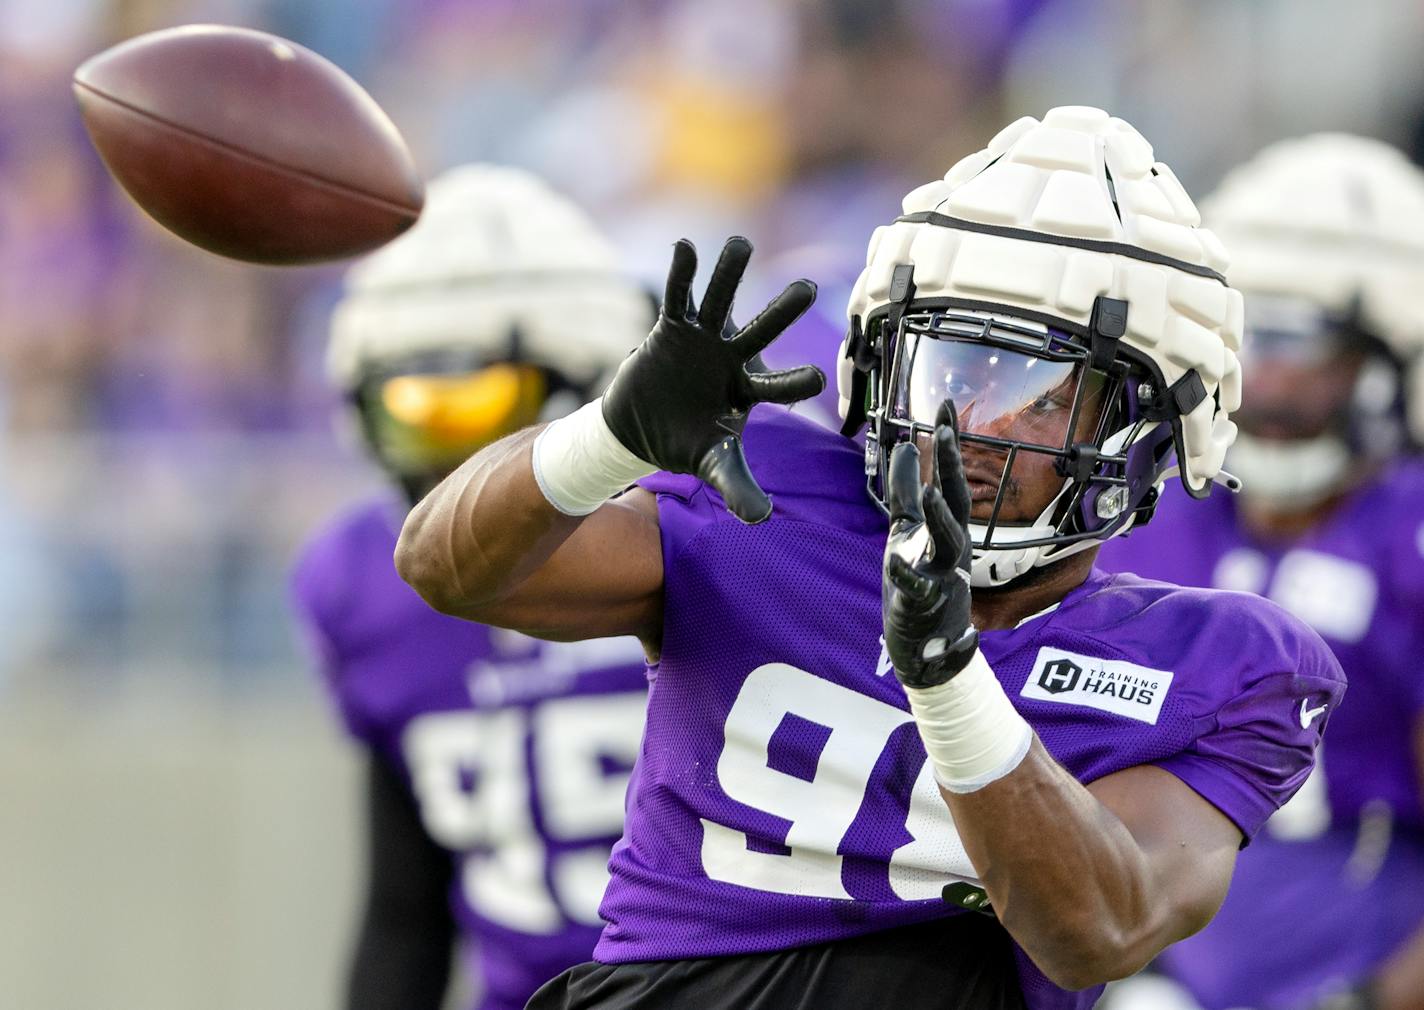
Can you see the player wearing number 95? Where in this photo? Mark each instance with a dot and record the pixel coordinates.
(1030, 344)
(497, 764)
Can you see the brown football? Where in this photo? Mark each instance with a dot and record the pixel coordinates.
(248, 145)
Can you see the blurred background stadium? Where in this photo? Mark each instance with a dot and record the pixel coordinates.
(176, 807)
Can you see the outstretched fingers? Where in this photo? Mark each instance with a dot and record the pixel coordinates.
(789, 385)
(781, 312)
(724, 467)
(722, 286)
(903, 484)
(902, 575)
(947, 535)
(677, 299)
(949, 464)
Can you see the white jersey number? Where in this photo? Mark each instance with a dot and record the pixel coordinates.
(821, 810)
(476, 791)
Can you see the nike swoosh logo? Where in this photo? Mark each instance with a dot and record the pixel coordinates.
(1307, 715)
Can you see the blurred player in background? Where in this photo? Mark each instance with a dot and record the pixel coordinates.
(1327, 243)
(896, 684)
(497, 764)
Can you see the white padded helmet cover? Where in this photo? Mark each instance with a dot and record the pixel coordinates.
(1052, 178)
(495, 249)
(1337, 221)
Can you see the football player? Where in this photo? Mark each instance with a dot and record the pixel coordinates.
(496, 764)
(1327, 240)
(905, 692)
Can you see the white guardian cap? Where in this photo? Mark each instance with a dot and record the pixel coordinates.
(1327, 237)
(496, 252)
(1064, 241)
(502, 306)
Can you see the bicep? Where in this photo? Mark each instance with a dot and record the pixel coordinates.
(606, 579)
(1189, 844)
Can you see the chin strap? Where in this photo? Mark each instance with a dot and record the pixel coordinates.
(1000, 565)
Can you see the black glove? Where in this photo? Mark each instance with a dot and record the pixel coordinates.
(925, 586)
(680, 401)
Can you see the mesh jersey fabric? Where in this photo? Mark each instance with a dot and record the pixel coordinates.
(782, 797)
(1356, 831)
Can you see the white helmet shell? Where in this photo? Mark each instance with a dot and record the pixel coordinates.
(1052, 215)
(496, 251)
(1336, 221)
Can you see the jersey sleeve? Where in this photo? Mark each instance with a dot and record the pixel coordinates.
(682, 487)
(811, 474)
(1256, 745)
(314, 590)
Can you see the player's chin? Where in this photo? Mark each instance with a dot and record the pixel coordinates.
(981, 509)
(1011, 512)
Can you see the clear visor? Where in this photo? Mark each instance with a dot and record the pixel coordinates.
(1033, 418)
(428, 423)
(1000, 394)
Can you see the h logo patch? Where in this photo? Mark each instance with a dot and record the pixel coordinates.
(1059, 675)
(1108, 685)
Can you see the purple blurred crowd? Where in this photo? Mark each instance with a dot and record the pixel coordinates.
(795, 123)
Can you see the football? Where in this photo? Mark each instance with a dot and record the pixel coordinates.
(248, 145)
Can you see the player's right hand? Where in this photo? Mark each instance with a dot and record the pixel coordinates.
(681, 400)
(925, 592)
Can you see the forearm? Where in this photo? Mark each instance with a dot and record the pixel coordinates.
(1065, 876)
(488, 545)
(677, 403)
(483, 530)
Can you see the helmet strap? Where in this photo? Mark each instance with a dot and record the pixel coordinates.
(1107, 325)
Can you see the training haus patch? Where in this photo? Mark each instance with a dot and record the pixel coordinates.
(1107, 684)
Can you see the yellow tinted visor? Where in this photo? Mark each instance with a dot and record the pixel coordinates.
(431, 422)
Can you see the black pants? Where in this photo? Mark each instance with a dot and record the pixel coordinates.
(961, 963)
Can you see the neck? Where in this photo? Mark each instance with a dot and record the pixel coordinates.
(1040, 588)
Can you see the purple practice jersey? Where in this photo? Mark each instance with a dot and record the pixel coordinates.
(782, 796)
(518, 752)
(1343, 863)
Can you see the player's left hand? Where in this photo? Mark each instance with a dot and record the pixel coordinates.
(681, 400)
(925, 582)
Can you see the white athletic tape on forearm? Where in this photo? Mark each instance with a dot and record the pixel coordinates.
(970, 729)
(579, 463)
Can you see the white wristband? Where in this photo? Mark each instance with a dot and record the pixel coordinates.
(579, 463)
(969, 727)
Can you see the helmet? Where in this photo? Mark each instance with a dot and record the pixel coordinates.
(502, 306)
(1327, 236)
(1061, 247)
